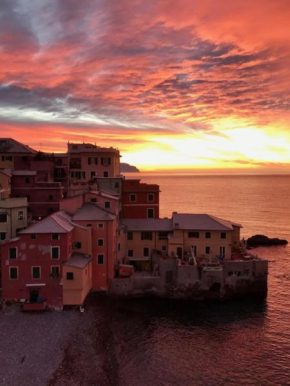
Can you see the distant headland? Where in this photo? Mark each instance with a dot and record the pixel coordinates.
(127, 168)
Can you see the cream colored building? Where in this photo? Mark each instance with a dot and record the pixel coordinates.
(13, 217)
(76, 279)
(203, 235)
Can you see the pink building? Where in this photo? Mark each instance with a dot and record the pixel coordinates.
(47, 263)
(43, 197)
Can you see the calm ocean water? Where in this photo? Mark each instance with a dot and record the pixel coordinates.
(234, 343)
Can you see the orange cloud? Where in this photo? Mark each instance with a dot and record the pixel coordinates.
(143, 76)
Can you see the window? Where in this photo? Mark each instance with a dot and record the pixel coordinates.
(3, 217)
(55, 271)
(69, 276)
(12, 253)
(55, 252)
(96, 160)
(130, 252)
(77, 245)
(106, 161)
(89, 160)
(193, 235)
(18, 230)
(133, 198)
(107, 204)
(116, 185)
(106, 174)
(100, 242)
(146, 235)
(207, 235)
(119, 246)
(163, 248)
(150, 213)
(223, 235)
(33, 236)
(93, 174)
(27, 180)
(93, 200)
(100, 226)
(35, 273)
(20, 215)
(50, 197)
(145, 252)
(150, 197)
(101, 259)
(13, 273)
(130, 236)
(162, 235)
(2, 236)
(207, 250)
(55, 236)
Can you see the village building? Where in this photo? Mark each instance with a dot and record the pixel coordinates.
(13, 211)
(100, 231)
(139, 200)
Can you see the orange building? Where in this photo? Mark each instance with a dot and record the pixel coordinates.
(139, 200)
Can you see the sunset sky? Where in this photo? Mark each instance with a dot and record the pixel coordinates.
(173, 84)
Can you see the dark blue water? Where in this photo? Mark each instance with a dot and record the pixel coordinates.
(233, 343)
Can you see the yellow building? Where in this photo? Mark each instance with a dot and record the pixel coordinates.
(203, 235)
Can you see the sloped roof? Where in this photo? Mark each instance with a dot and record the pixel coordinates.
(148, 224)
(58, 222)
(201, 222)
(9, 145)
(92, 212)
(78, 260)
(24, 173)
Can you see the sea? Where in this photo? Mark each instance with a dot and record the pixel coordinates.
(240, 342)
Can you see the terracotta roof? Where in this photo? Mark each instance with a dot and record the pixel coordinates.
(78, 260)
(148, 224)
(58, 222)
(201, 222)
(92, 212)
(9, 145)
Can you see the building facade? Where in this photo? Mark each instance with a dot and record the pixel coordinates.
(139, 200)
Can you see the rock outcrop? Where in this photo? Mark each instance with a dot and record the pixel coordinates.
(262, 240)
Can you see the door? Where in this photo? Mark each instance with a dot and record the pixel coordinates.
(222, 252)
(34, 295)
(194, 250)
(179, 252)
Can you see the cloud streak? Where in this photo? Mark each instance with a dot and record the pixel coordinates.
(157, 67)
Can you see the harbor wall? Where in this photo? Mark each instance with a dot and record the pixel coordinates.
(232, 279)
